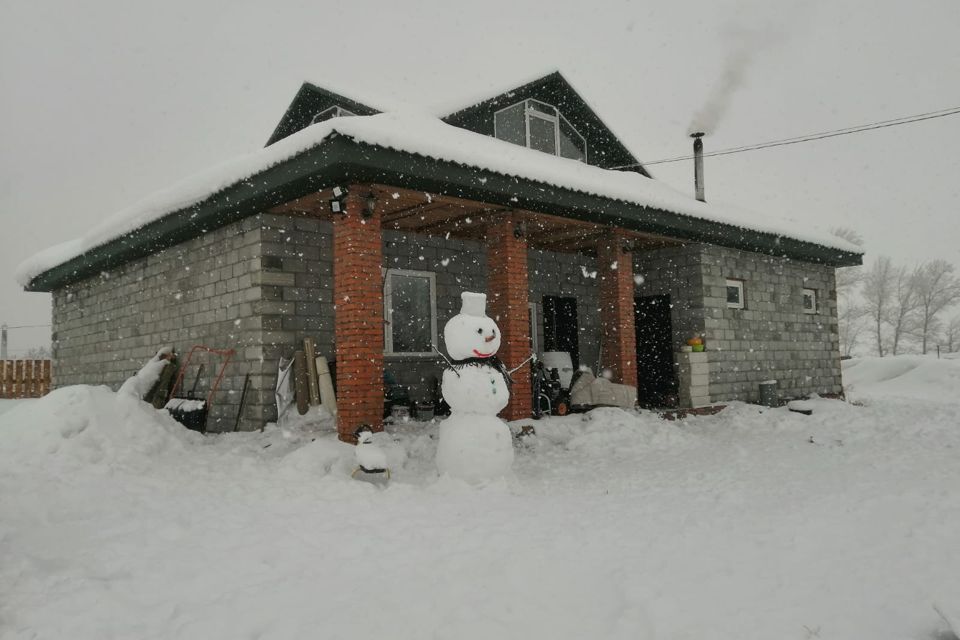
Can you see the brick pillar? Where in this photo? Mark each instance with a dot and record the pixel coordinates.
(619, 338)
(507, 297)
(358, 323)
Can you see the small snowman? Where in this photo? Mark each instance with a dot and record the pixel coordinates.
(474, 443)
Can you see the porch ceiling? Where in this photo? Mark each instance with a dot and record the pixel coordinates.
(440, 215)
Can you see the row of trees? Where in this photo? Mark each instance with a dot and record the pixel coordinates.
(889, 308)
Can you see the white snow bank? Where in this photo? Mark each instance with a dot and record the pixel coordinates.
(87, 427)
(422, 134)
(904, 376)
(753, 523)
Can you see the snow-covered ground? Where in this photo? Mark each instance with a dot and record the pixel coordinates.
(117, 523)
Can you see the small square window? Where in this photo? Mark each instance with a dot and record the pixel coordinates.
(809, 300)
(735, 298)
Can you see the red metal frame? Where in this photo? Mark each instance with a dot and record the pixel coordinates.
(226, 354)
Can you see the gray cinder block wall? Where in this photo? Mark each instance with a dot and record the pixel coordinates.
(261, 285)
(202, 291)
(771, 337)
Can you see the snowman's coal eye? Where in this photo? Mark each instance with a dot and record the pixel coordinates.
(480, 331)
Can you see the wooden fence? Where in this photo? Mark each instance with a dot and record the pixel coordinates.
(24, 378)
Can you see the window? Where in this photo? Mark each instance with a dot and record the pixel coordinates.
(809, 300)
(410, 312)
(539, 126)
(332, 112)
(534, 342)
(735, 298)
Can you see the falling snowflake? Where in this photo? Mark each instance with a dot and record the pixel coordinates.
(638, 279)
(586, 273)
(614, 265)
(445, 261)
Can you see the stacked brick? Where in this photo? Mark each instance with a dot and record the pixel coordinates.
(618, 338)
(358, 296)
(507, 300)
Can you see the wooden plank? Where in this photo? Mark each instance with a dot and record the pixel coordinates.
(310, 353)
(46, 380)
(28, 379)
(18, 380)
(10, 388)
(300, 384)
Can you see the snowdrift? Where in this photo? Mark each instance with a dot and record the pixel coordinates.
(116, 521)
(916, 377)
(85, 426)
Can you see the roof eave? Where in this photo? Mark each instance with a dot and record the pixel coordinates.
(339, 160)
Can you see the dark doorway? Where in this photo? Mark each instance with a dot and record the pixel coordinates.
(656, 378)
(560, 329)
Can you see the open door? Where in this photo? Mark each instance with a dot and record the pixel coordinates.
(561, 331)
(656, 376)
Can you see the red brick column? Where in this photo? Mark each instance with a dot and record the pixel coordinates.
(615, 275)
(507, 297)
(358, 323)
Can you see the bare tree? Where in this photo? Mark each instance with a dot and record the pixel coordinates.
(951, 334)
(935, 288)
(851, 313)
(37, 353)
(903, 312)
(878, 296)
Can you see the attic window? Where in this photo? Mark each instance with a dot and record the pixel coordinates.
(539, 126)
(331, 112)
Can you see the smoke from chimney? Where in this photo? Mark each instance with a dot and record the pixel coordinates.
(745, 44)
(698, 165)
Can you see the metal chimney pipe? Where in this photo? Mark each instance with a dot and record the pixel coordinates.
(698, 165)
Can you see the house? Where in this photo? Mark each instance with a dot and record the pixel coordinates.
(360, 228)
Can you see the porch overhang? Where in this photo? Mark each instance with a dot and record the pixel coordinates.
(340, 160)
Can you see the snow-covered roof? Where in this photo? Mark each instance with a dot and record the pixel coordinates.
(419, 133)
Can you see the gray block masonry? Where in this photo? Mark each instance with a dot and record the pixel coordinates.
(261, 285)
(770, 338)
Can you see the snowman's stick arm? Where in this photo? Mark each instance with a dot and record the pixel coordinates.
(449, 364)
(533, 356)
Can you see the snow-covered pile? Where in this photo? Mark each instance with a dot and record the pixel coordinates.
(422, 134)
(82, 428)
(753, 523)
(921, 377)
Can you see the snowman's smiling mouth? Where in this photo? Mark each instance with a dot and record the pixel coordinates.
(482, 355)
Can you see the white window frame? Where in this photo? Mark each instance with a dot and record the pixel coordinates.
(813, 296)
(739, 284)
(534, 325)
(388, 310)
(529, 111)
(337, 110)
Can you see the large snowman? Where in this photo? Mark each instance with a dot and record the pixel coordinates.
(474, 444)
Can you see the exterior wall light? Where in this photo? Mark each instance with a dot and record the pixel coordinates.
(370, 205)
(337, 204)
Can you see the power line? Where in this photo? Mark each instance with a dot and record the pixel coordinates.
(882, 124)
(29, 326)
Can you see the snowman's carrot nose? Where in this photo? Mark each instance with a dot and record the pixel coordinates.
(489, 338)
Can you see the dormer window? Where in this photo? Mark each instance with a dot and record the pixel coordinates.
(332, 112)
(539, 126)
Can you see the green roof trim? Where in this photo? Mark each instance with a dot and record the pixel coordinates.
(342, 160)
(604, 149)
(309, 101)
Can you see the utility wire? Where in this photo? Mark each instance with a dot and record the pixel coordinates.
(29, 326)
(882, 124)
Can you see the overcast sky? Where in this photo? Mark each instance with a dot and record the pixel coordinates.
(102, 103)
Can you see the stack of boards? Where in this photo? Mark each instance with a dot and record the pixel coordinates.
(313, 384)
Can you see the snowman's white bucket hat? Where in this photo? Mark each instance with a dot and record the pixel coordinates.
(474, 304)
